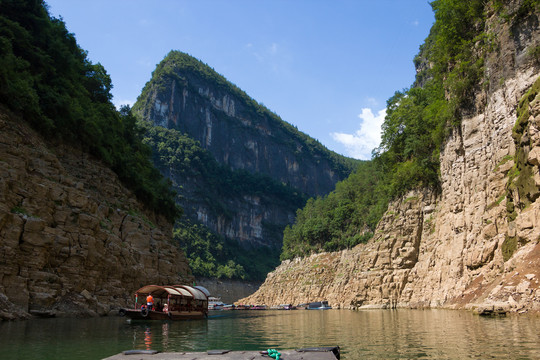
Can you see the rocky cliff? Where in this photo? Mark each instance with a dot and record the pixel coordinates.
(474, 243)
(242, 137)
(73, 240)
(189, 96)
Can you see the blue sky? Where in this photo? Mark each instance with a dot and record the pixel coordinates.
(325, 66)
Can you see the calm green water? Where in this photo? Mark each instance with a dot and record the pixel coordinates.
(374, 334)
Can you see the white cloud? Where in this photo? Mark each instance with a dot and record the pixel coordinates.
(272, 56)
(273, 49)
(372, 101)
(360, 144)
(145, 22)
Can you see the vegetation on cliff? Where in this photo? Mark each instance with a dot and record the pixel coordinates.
(179, 66)
(521, 188)
(47, 77)
(178, 153)
(203, 182)
(343, 219)
(213, 255)
(216, 185)
(450, 69)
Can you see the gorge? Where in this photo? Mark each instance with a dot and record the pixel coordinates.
(239, 170)
(85, 219)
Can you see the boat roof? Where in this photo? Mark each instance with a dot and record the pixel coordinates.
(203, 289)
(197, 293)
(174, 290)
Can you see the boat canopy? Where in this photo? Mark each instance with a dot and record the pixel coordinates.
(197, 293)
(174, 290)
(203, 289)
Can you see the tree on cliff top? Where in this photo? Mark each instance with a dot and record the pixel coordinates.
(178, 66)
(47, 77)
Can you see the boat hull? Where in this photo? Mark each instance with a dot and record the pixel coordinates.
(319, 308)
(136, 314)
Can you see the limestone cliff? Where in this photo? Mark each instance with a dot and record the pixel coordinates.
(189, 97)
(474, 243)
(73, 240)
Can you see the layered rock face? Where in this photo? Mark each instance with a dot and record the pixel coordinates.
(188, 96)
(469, 246)
(235, 133)
(254, 220)
(73, 240)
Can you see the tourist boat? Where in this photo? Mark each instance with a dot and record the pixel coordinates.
(171, 302)
(318, 305)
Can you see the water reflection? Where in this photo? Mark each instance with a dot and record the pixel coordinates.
(397, 334)
(148, 338)
(375, 334)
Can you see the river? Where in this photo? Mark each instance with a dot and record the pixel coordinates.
(370, 334)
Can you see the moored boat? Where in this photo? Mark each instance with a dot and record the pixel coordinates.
(171, 302)
(283, 307)
(215, 303)
(318, 305)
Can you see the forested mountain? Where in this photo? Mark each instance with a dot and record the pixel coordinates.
(240, 171)
(188, 95)
(205, 185)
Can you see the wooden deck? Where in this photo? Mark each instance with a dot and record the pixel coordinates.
(327, 353)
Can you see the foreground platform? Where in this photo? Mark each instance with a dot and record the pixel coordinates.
(320, 353)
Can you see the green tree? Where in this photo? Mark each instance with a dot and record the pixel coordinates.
(47, 78)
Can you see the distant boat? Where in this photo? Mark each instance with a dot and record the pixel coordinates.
(215, 303)
(318, 305)
(283, 307)
(171, 302)
(258, 307)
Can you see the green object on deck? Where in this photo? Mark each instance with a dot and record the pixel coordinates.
(273, 353)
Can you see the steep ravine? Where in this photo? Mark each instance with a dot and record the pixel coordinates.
(458, 248)
(73, 240)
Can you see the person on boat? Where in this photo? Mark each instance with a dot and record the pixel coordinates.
(150, 301)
